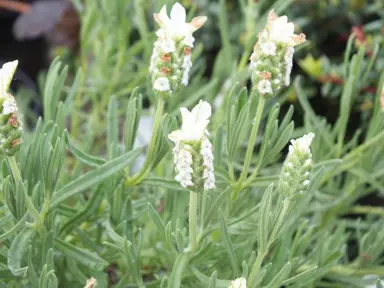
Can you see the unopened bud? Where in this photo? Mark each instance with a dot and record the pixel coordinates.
(294, 179)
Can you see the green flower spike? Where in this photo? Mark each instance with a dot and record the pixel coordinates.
(294, 179)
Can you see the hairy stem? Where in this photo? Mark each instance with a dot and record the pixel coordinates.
(192, 221)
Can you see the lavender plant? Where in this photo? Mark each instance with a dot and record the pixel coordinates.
(218, 201)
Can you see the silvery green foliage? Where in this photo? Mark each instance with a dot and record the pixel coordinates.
(79, 212)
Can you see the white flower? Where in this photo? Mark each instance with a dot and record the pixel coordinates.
(280, 30)
(264, 87)
(302, 145)
(239, 283)
(268, 48)
(288, 58)
(162, 84)
(194, 123)
(189, 40)
(167, 45)
(183, 161)
(176, 26)
(208, 175)
(187, 65)
(9, 105)
(6, 75)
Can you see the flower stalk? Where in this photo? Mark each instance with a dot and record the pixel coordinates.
(193, 241)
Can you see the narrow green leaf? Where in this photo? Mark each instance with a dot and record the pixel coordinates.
(239, 131)
(170, 184)
(228, 245)
(156, 219)
(303, 276)
(93, 177)
(32, 275)
(207, 280)
(14, 229)
(112, 124)
(280, 277)
(83, 157)
(132, 261)
(264, 219)
(178, 270)
(88, 259)
(16, 251)
(88, 211)
(212, 281)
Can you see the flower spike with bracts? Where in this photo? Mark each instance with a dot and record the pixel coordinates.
(193, 151)
(294, 179)
(271, 60)
(171, 59)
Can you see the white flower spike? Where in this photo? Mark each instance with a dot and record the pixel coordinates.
(193, 152)
(295, 174)
(272, 56)
(239, 283)
(172, 52)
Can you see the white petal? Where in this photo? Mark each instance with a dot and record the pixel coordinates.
(6, 75)
(178, 14)
(162, 84)
(197, 22)
(175, 135)
(202, 111)
(9, 106)
(162, 18)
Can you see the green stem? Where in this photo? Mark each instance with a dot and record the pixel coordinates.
(19, 181)
(253, 176)
(252, 139)
(145, 169)
(192, 222)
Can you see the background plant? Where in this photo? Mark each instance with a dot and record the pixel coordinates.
(84, 219)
